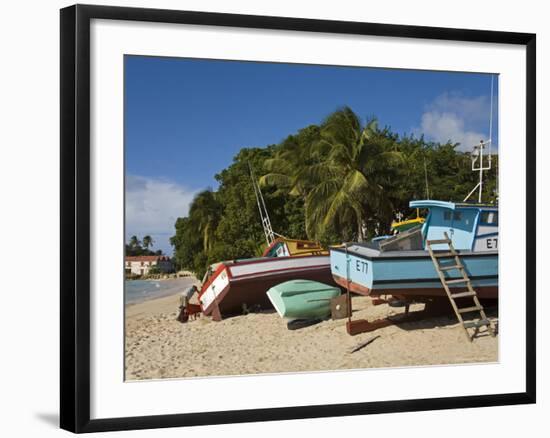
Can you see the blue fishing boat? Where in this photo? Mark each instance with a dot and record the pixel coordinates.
(401, 265)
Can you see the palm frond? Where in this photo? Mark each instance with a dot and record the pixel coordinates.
(276, 179)
(277, 164)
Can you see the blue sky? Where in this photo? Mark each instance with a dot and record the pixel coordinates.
(185, 119)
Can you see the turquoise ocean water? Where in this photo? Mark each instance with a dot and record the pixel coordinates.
(136, 291)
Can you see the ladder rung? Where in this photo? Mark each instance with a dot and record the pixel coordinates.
(463, 294)
(458, 280)
(470, 309)
(448, 268)
(438, 241)
(444, 254)
(480, 323)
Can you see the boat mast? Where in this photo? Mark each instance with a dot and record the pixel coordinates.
(264, 216)
(477, 154)
(426, 178)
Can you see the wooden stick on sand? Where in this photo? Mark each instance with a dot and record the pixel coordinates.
(364, 344)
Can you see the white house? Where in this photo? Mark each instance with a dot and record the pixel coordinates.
(140, 265)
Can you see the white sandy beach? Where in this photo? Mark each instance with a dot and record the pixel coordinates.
(158, 346)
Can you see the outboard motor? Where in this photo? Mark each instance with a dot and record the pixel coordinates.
(185, 304)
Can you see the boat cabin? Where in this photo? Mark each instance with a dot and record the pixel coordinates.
(282, 247)
(472, 227)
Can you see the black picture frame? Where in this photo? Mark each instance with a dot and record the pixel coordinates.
(75, 217)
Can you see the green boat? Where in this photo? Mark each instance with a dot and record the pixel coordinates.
(302, 299)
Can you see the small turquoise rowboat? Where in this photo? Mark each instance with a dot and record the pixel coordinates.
(302, 299)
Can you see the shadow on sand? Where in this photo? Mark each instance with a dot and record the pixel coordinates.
(444, 319)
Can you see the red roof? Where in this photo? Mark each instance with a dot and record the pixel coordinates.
(152, 258)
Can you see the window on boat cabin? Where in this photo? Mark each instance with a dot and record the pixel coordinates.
(456, 215)
(489, 217)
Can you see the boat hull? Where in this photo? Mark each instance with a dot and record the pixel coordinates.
(411, 274)
(246, 283)
(302, 299)
(432, 290)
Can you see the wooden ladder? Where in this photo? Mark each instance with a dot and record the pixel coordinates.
(469, 292)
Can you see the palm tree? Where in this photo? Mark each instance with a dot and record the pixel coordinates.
(134, 242)
(205, 214)
(348, 181)
(288, 169)
(147, 241)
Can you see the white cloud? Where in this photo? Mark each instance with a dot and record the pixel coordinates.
(152, 207)
(455, 118)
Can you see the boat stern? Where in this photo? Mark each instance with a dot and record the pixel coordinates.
(276, 301)
(213, 288)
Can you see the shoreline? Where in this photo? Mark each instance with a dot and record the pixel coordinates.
(160, 278)
(170, 287)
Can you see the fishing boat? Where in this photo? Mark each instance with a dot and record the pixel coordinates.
(407, 224)
(302, 299)
(234, 286)
(402, 266)
(283, 247)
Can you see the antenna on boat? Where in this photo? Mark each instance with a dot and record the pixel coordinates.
(490, 138)
(477, 154)
(426, 178)
(264, 216)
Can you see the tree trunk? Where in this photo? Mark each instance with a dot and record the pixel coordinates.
(360, 236)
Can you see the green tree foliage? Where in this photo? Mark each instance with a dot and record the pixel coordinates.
(147, 241)
(342, 180)
(136, 247)
(134, 242)
(355, 164)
